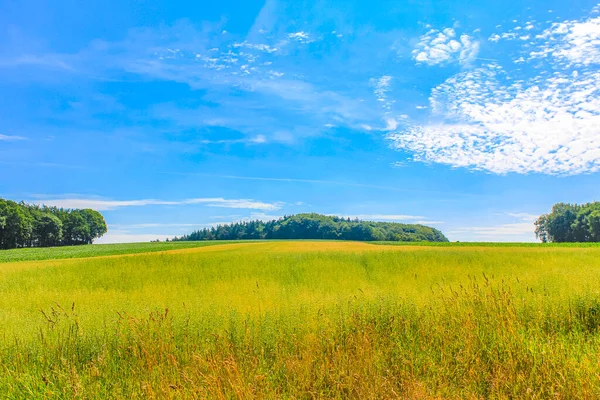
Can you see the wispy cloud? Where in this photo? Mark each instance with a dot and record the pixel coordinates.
(46, 61)
(117, 237)
(9, 138)
(264, 83)
(516, 226)
(258, 139)
(327, 182)
(525, 217)
(103, 205)
(444, 47)
(122, 227)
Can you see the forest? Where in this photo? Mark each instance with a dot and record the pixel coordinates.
(29, 225)
(317, 226)
(570, 223)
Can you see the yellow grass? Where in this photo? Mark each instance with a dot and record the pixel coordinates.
(304, 320)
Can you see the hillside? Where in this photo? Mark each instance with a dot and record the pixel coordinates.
(317, 226)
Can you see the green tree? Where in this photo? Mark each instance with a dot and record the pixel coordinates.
(594, 225)
(76, 229)
(18, 226)
(316, 226)
(48, 230)
(570, 223)
(96, 223)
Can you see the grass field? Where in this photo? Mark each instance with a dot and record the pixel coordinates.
(96, 250)
(305, 320)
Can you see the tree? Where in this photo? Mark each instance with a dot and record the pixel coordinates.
(316, 226)
(541, 229)
(76, 229)
(96, 223)
(570, 223)
(48, 230)
(26, 225)
(18, 226)
(594, 225)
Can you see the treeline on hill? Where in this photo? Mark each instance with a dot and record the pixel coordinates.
(316, 226)
(28, 225)
(570, 223)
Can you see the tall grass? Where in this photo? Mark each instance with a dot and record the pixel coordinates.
(309, 320)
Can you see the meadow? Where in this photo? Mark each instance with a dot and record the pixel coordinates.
(94, 250)
(305, 320)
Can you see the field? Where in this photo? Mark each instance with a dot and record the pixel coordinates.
(96, 250)
(303, 320)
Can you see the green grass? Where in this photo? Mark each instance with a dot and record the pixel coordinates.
(95, 250)
(305, 320)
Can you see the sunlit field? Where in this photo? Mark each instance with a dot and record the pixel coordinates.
(304, 320)
(96, 250)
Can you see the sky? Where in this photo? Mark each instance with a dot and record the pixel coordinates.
(168, 116)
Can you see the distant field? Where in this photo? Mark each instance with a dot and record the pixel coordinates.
(94, 250)
(489, 244)
(98, 250)
(304, 319)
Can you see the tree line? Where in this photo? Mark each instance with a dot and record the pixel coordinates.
(570, 223)
(316, 226)
(29, 225)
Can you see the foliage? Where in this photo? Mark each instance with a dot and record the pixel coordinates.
(317, 226)
(28, 225)
(288, 319)
(570, 223)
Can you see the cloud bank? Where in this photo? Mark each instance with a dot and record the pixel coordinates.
(502, 119)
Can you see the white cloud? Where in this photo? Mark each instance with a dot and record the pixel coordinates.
(489, 232)
(301, 36)
(444, 47)
(261, 217)
(8, 138)
(256, 46)
(425, 222)
(391, 124)
(46, 61)
(241, 203)
(103, 205)
(484, 119)
(258, 139)
(131, 237)
(518, 228)
(381, 91)
(382, 86)
(383, 217)
(153, 225)
(525, 217)
(398, 164)
(576, 43)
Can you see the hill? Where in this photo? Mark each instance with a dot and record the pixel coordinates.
(317, 226)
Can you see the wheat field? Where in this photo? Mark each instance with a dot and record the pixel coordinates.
(304, 320)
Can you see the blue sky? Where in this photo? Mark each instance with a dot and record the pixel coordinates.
(473, 117)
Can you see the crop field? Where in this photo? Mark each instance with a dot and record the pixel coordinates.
(303, 319)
